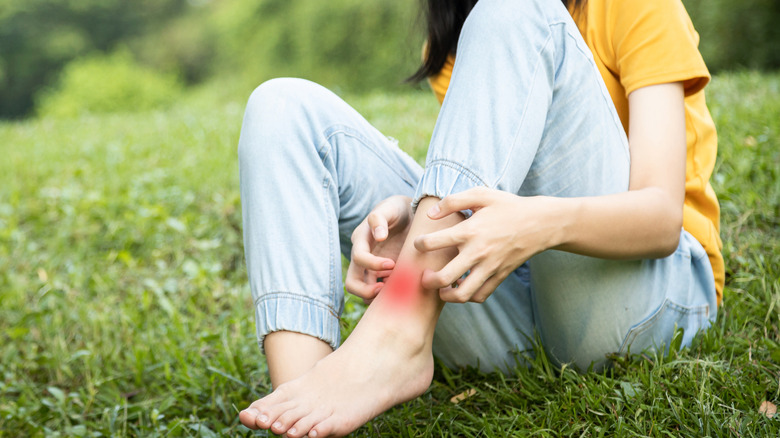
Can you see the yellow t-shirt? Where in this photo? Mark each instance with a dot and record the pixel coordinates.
(637, 43)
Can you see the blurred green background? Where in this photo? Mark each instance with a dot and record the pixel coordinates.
(67, 57)
(125, 308)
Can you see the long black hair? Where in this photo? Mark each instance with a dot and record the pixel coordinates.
(444, 20)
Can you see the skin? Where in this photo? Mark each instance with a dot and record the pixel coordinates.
(387, 360)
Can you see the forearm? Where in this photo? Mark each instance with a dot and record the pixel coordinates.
(636, 224)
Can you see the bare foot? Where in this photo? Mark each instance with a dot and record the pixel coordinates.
(386, 361)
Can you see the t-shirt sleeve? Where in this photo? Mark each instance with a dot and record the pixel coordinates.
(655, 43)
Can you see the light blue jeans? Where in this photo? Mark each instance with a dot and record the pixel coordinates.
(527, 113)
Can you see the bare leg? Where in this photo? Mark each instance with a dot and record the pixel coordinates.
(387, 360)
(291, 354)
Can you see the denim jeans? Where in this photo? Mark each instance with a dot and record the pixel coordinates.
(526, 112)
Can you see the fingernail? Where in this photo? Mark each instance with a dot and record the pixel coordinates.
(277, 425)
(380, 232)
(387, 265)
(433, 211)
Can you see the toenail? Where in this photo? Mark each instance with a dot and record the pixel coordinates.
(292, 431)
(313, 434)
(263, 418)
(277, 425)
(254, 412)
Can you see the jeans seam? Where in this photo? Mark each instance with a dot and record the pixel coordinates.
(331, 275)
(463, 170)
(334, 130)
(296, 297)
(604, 93)
(524, 112)
(642, 327)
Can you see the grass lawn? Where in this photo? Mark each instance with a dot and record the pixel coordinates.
(125, 309)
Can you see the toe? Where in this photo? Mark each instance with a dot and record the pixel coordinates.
(248, 417)
(287, 419)
(324, 428)
(266, 415)
(303, 426)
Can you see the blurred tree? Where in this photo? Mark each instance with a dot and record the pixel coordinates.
(349, 44)
(737, 34)
(106, 84)
(38, 37)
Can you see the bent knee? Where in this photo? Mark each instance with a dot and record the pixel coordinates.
(273, 97)
(277, 111)
(497, 21)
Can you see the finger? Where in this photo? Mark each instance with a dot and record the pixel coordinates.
(388, 214)
(374, 276)
(356, 285)
(465, 290)
(369, 261)
(470, 199)
(487, 288)
(363, 290)
(382, 274)
(377, 222)
(454, 285)
(361, 252)
(448, 274)
(448, 237)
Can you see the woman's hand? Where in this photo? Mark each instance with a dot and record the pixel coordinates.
(504, 231)
(376, 243)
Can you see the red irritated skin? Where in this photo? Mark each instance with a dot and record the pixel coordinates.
(403, 287)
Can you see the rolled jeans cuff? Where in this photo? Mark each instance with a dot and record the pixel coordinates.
(283, 311)
(442, 178)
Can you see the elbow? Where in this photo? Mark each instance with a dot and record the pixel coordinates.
(665, 215)
(669, 234)
(669, 244)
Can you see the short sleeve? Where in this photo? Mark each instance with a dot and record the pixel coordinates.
(655, 43)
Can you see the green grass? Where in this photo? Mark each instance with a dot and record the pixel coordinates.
(125, 310)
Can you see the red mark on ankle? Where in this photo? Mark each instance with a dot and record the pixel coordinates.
(403, 286)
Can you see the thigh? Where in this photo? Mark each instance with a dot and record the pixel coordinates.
(586, 308)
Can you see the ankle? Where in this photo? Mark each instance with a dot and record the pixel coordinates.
(401, 333)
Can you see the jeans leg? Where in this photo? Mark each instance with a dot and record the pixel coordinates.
(525, 95)
(489, 335)
(527, 112)
(588, 308)
(311, 169)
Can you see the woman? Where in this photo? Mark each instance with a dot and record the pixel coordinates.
(532, 196)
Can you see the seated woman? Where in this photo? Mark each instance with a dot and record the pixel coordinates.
(565, 193)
